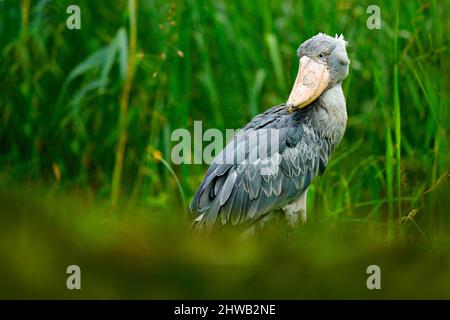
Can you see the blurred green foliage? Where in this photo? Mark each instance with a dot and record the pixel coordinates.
(138, 255)
(221, 62)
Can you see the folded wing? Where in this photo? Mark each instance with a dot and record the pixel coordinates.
(270, 162)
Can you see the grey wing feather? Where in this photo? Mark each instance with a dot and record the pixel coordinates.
(241, 191)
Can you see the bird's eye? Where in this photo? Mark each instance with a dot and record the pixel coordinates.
(321, 56)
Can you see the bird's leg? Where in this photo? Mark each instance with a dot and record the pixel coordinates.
(252, 230)
(249, 232)
(295, 210)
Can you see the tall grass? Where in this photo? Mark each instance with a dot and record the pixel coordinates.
(124, 101)
(80, 108)
(397, 120)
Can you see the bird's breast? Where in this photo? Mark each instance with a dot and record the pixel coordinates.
(331, 114)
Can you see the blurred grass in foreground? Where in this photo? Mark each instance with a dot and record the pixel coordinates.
(140, 255)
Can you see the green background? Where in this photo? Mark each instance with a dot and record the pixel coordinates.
(68, 97)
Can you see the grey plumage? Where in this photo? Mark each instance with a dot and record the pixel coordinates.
(274, 158)
(240, 192)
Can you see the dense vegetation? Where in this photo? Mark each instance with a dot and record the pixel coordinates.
(85, 123)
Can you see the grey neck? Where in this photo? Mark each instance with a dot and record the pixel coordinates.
(331, 116)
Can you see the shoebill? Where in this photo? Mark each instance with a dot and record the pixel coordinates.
(266, 169)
